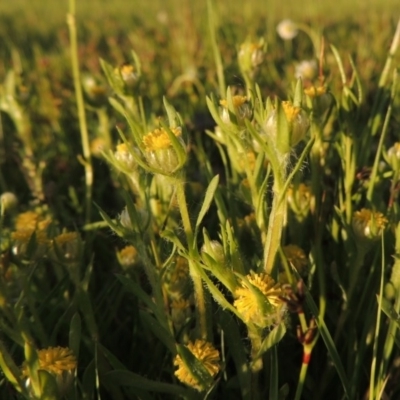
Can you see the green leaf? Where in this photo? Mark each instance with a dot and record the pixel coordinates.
(133, 287)
(329, 343)
(298, 93)
(208, 198)
(48, 385)
(158, 330)
(283, 130)
(388, 309)
(173, 238)
(75, 331)
(233, 341)
(88, 381)
(127, 378)
(273, 338)
(32, 364)
(196, 368)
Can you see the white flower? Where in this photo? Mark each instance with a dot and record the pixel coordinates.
(287, 29)
(306, 69)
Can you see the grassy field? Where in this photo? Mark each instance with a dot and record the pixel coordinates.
(199, 200)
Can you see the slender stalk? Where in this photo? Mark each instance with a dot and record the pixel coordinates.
(381, 140)
(276, 222)
(217, 55)
(303, 371)
(86, 161)
(374, 384)
(197, 282)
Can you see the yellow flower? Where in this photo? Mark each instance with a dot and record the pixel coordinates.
(290, 111)
(180, 312)
(58, 361)
(97, 146)
(55, 360)
(250, 55)
(126, 162)
(67, 246)
(299, 199)
(248, 158)
(241, 108)
(128, 256)
(296, 257)
(205, 353)
(368, 224)
(236, 100)
(159, 139)
(298, 122)
(31, 220)
(248, 303)
(176, 278)
(21, 240)
(313, 91)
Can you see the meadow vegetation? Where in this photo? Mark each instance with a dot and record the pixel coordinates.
(199, 201)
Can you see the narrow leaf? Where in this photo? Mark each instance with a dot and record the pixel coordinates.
(208, 198)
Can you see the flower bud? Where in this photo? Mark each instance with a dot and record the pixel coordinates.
(393, 156)
(95, 91)
(142, 216)
(299, 199)
(287, 29)
(128, 74)
(286, 137)
(250, 56)
(67, 247)
(215, 250)
(125, 161)
(368, 224)
(306, 70)
(241, 109)
(8, 202)
(160, 153)
(128, 257)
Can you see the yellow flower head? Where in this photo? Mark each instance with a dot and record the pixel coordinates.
(313, 91)
(296, 257)
(159, 139)
(67, 245)
(21, 240)
(299, 199)
(236, 100)
(31, 221)
(97, 146)
(247, 303)
(176, 278)
(205, 353)
(290, 111)
(368, 224)
(127, 69)
(128, 256)
(55, 360)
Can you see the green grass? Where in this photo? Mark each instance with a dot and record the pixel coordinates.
(187, 201)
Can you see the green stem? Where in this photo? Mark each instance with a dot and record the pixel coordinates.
(217, 55)
(374, 382)
(275, 223)
(87, 161)
(375, 167)
(197, 282)
(307, 349)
